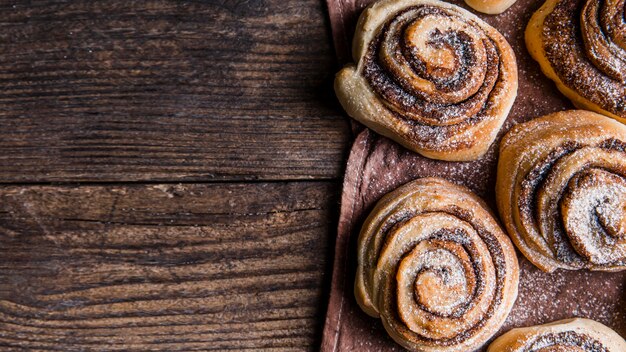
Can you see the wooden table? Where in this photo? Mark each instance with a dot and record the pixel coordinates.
(170, 173)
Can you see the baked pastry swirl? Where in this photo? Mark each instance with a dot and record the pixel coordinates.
(561, 190)
(575, 335)
(436, 267)
(431, 76)
(581, 45)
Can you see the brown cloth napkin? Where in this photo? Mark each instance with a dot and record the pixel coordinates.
(377, 165)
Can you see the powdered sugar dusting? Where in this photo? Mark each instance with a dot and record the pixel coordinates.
(545, 297)
(383, 166)
(593, 210)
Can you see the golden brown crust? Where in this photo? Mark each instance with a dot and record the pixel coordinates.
(576, 335)
(561, 190)
(436, 267)
(581, 46)
(491, 7)
(431, 76)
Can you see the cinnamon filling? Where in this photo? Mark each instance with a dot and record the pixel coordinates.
(584, 41)
(576, 200)
(567, 341)
(443, 278)
(433, 68)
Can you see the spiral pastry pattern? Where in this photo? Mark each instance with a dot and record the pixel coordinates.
(436, 267)
(431, 76)
(581, 45)
(561, 190)
(571, 335)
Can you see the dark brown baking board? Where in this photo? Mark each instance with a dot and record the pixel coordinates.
(377, 165)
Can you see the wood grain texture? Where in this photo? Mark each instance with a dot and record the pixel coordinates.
(167, 90)
(163, 267)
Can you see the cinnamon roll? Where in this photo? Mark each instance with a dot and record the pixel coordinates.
(576, 335)
(431, 76)
(436, 267)
(561, 190)
(581, 46)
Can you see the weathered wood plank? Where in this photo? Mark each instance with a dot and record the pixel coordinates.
(167, 90)
(163, 267)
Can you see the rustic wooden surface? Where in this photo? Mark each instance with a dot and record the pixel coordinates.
(169, 174)
(167, 90)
